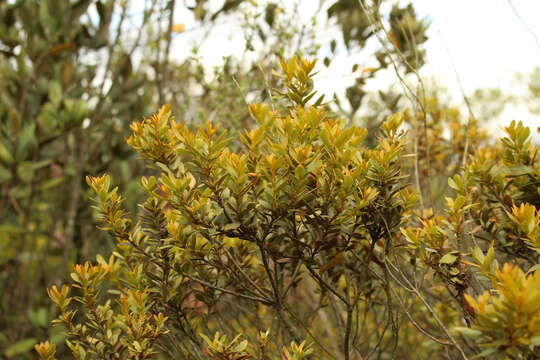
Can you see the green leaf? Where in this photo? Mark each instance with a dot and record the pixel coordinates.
(300, 172)
(477, 254)
(519, 170)
(468, 331)
(25, 171)
(49, 184)
(241, 346)
(325, 137)
(57, 334)
(5, 174)
(485, 353)
(55, 92)
(40, 164)
(20, 347)
(453, 184)
(533, 269)
(448, 259)
(5, 155)
(231, 226)
(27, 139)
(39, 317)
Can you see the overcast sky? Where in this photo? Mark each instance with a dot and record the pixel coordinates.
(488, 41)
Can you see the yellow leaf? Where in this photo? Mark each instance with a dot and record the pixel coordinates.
(178, 28)
(333, 262)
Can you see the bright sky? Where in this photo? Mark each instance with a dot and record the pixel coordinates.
(485, 41)
(489, 42)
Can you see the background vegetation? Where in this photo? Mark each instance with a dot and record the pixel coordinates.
(359, 226)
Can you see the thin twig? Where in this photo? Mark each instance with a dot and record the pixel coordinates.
(465, 98)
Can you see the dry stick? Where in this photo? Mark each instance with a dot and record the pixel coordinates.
(465, 98)
(319, 311)
(293, 276)
(175, 341)
(381, 336)
(417, 173)
(277, 305)
(246, 276)
(394, 64)
(110, 50)
(524, 23)
(413, 289)
(327, 286)
(302, 30)
(415, 323)
(234, 278)
(416, 164)
(202, 282)
(346, 339)
(310, 333)
(392, 318)
(165, 66)
(146, 15)
(336, 312)
(356, 329)
(409, 287)
(102, 96)
(227, 291)
(227, 324)
(241, 92)
(77, 186)
(76, 191)
(386, 310)
(304, 26)
(230, 256)
(347, 342)
(267, 87)
(409, 93)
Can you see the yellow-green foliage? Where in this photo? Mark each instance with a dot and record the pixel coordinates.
(492, 219)
(74, 73)
(296, 240)
(508, 318)
(301, 209)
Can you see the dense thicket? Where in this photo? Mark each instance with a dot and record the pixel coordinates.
(296, 240)
(73, 75)
(357, 227)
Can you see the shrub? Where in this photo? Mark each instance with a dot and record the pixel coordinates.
(72, 74)
(302, 211)
(296, 240)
